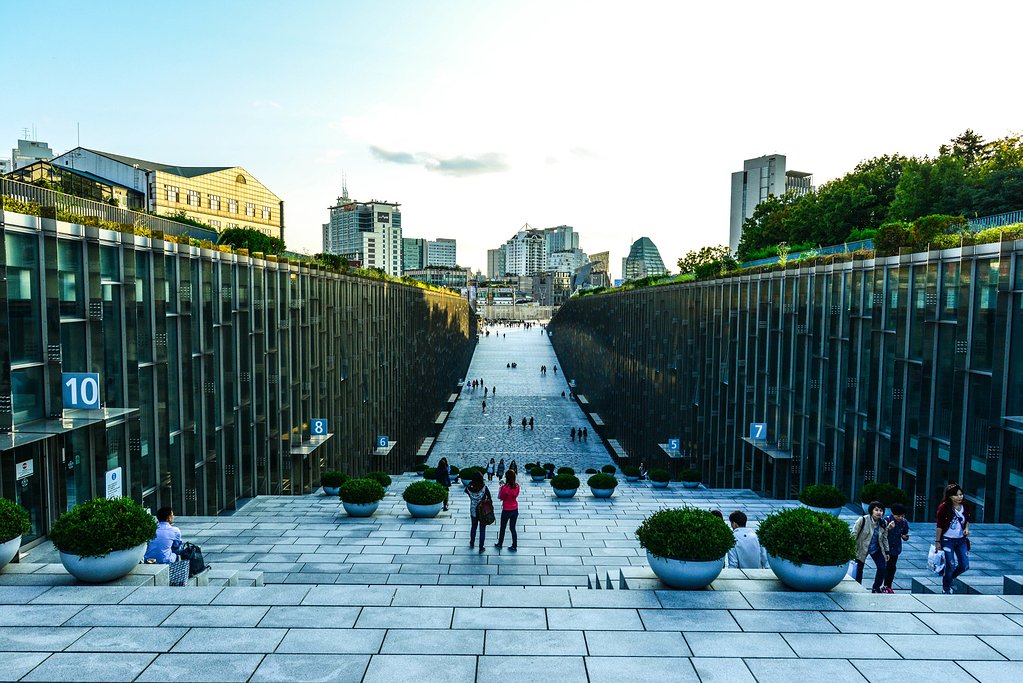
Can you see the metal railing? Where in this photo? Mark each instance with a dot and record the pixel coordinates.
(60, 201)
(846, 248)
(995, 221)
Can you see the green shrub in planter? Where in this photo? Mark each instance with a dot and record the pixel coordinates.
(685, 533)
(565, 482)
(567, 470)
(453, 470)
(362, 491)
(630, 471)
(658, 475)
(381, 478)
(424, 493)
(608, 469)
(14, 521)
(822, 496)
(101, 526)
(530, 465)
(333, 479)
(691, 476)
(602, 480)
(886, 494)
(804, 536)
(430, 473)
(421, 467)
(538, 472)
(590, 470)
(548, 466)
(465, 474)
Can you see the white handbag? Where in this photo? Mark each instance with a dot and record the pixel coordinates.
(936, 560)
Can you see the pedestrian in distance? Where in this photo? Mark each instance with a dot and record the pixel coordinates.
(871, 539)
(491, 466)
(486, 391)
(509, 497)
(512, 467)
(586, 434)
(523, 424)
(562, 394)
(493, 391)
(444, 478)
(484, 407)
(952, 535)
(509, 422)
(477, 490)
(531, 424)
(555, 369)
(747, 552)
(500, 465)
(898, 531)
(572, 434)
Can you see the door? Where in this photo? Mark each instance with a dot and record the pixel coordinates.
(23, 474)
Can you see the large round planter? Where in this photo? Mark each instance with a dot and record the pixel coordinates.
(424, 510)
(684, 573)
(658, 484)
(9, 549)
(830, 511)
(601, 493)
(104, 568)
(690, 484)
(807, 577)
(564, 493)
(331, 490)
(636, 478)
(539, 478)
(361, 509)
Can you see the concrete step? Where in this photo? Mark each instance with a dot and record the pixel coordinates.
(926, 585)
(49, 574)
(977, 584)
(222, 577)
(250, 578)
(1012, 585)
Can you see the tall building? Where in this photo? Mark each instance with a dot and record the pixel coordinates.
(643, 260)
(413, 253)
(525, 252)
(758, 179)
(496, 263)
(441, 252)
(560, 238)
(219, 196)
(366, 232)
(30, 151)
(566, 260)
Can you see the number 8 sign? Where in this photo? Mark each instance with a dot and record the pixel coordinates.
(318, 427)
(80, 389)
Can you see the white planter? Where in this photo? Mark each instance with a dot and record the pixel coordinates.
(331, 490)
(424, 510)
(807, 577)
(601, 493)
(830, 511)
(9, 549)
(564, 493)
(628, 478)
(690, 484)
(104, 568)
(361, 509)
(684, 573)
(658, 484)
(539, 478)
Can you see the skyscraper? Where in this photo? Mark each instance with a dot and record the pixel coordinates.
(758, 179)
(496, 264)
(442, 252)
(525, 252)
(413, 253)
(643, 260)
(367, 232)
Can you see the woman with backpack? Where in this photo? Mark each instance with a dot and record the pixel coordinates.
(509, 496)
(444, 478)
(871, 539)
(478, 492)
(952, 536)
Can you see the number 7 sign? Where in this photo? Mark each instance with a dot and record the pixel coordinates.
(757, 431)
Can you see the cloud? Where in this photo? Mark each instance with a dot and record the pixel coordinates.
(393, 157)
(490, 162)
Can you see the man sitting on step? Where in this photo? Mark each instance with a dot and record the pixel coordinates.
(747, 553)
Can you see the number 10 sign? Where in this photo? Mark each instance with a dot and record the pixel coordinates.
(80, 389)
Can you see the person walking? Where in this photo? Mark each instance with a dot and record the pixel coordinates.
(493, 391)
(491, 466)
(898, 531)
(484, 406)
(555, 369)
(486, 391)
(586, 434)
(512, 467)
(952, 535)
(509, 496)
(477, 490)
(500, 467)
(523, 424)
(444, 478)
(530, 424)
(572, 433)
(871, 539)
(509, 422)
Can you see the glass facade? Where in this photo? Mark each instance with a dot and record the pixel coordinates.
(905, 369)
(211, 366)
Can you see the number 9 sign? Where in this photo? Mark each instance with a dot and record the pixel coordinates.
(318, 427)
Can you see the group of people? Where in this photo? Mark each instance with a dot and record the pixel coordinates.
(583, 433)
(525, 422)
(478, 491)
(543, 369)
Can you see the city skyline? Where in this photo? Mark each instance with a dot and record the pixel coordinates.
(444, 107)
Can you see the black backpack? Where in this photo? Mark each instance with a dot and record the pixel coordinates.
(193, 553)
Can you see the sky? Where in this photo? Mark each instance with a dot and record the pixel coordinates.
(621, 119)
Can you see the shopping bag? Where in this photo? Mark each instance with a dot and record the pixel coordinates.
(851, 570)
(936, 560)
(179, 572)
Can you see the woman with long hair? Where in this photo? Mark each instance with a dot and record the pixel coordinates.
(871, 541)
(444, 478)
(952, 535)
(509, 496)
(476, 490)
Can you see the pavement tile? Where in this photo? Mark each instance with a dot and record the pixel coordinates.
(875, 602)
(349, 595)
(877, 622)
(971, 624)
(84, 595)
(235, 616)
(402, 617)
(412, 641)
(172, 595)
(777, 621)
(687, 620)
(813, 645)
(311, 668)
(499, 617)
(788, 670)
(633, 643)
(294, 616)
(91, 666)
(531, 669)
(202, 668)
(275, 595)
(38, 638)
(941, 647)
(121, 615)
(722, 670)
(332, 641)
(994, 672)
(967, 604)
(14, 665)
(432, 668)
(702, 600)
(517, 642)
(1010, 647)
(629, 598)
(792, 601)
(660, 668)
(595, 619)
(230, 640)
(128, 639)
(901, 671)
(20, 595)
(37, 615)
(704, 644)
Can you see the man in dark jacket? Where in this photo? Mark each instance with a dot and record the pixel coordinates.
(898, 531)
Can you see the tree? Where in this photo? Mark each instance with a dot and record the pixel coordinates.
(253, 240)
(694, 259)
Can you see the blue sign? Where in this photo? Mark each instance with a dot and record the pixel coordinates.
(318, 427)
(757, 431)
(673, 444)
(382, 442)
(80, 389)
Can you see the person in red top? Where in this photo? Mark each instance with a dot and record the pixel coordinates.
(509, 496)
(952, 535)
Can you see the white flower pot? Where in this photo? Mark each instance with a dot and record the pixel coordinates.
(807, 577)
(331, 490)
(658, 484)
(424, 510)
(9, 549)
(690, 484)
(361, 509)
(538, 478)
(685, 573)
(628, 478)
(601, 493)
(564, 493)
(104, 568)
(830, 511)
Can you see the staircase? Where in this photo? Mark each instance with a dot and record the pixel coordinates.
(51, 574)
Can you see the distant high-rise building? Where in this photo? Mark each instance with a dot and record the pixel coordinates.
(28, 152)
(367, 232)
(524, 252)
(496, 264)
(5, 166)
(643, 260)
(441, 252)
(566, 261)
(560, 238)
(758, 179)
(413, 253)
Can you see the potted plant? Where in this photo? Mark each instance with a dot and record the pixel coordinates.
(608, 469)
(565, 485)
(822, 498)
(430, 473)
(331, 481)
(361, 497)
(465, 474)
(381, 478)
(886, 494)
(691, 479)
(14, 524)
(602, 484)
(424, 498)
(103, 539)
(453, 471)
(685, 547)
(567, 470)
(538, 473)
(420, 468)
(658, 478)
(590, 470)
(631, 473)
(549, 469)
(807, 549)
